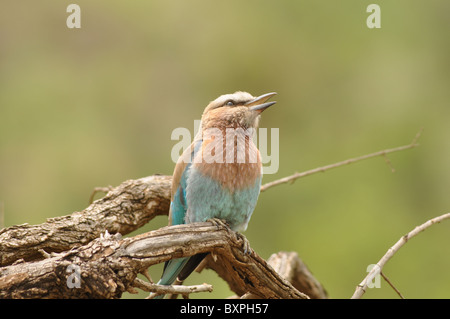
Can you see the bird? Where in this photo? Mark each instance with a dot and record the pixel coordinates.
(219, 175)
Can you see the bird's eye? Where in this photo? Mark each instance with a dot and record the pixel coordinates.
(229, 103)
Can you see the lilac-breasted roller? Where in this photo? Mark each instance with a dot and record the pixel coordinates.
(219, 176)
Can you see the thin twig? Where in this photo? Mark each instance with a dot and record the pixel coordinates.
(172, 289)
(389, 163)
(390, 284)
(96, 190)
(383, 153)
(361, 288)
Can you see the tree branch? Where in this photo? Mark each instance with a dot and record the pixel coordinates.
(287, 264)
(291, 267)
(123, 210)
(108, 265)
(173, 289)
(361, 288)
(322, 169)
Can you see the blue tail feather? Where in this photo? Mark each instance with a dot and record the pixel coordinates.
(171, 270)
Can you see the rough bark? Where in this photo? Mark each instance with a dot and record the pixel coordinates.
(123, 210)
(109, 265)
(292, 268)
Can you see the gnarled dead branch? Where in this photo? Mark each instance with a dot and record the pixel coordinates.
(123, 210)
(108, 266)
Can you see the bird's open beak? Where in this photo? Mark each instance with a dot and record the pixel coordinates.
(259, 103)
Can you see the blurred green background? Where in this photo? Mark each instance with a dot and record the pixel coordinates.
(95, 106)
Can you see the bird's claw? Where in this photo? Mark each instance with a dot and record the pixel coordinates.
(245, 244)
(219, 222)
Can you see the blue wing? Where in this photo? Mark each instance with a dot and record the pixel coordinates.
(178, 205)
(178, 208)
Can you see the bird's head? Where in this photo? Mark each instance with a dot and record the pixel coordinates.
(239, 109)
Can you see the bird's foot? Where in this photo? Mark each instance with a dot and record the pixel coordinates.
(245, 243)
(219, 222)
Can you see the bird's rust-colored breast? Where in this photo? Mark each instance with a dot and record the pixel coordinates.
(239, 170)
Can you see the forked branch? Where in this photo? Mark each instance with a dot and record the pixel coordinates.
(361, 288)
(108, 266)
